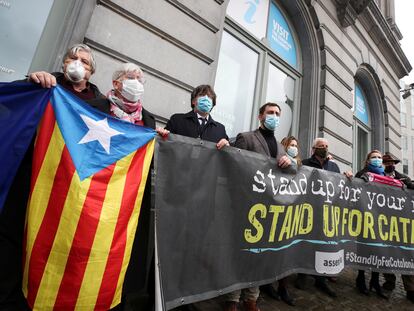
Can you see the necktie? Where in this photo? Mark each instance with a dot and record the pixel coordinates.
(203, 121)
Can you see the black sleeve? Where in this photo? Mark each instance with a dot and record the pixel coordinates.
(224, 133)
(148, 119)
(337, 170)
(360, 173)
(170, 124)
(406, 180)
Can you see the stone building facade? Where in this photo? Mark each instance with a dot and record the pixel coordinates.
(333, 65)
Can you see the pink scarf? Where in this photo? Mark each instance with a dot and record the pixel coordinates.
(130, 112)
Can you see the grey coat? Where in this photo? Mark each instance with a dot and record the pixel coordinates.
(254, 141)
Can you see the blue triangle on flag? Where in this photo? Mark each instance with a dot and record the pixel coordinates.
(94, 139)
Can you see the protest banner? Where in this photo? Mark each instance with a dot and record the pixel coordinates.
(231, 219)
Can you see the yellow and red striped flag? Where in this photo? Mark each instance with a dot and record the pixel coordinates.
(88, 178)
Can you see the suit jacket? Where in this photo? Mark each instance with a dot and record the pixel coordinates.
(186, 124)
(254, 141)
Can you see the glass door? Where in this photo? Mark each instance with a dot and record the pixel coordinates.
(281, 89)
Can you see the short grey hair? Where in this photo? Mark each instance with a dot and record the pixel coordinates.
(74, 49)
(125, 68)
(317, 140)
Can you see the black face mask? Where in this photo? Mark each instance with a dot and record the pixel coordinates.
(389, 168)
(321, 152)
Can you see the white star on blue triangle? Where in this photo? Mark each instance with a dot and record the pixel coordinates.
(100, 131)
(94, 139)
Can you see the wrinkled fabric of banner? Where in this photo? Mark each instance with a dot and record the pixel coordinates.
(231, 219)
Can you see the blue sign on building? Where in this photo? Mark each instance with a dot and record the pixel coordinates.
(361, 111)
(280, 36)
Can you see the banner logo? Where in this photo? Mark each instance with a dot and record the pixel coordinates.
(328, 262)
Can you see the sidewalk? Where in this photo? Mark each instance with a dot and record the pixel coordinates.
(313, 300)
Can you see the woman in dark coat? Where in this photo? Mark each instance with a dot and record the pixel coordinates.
(373, 164)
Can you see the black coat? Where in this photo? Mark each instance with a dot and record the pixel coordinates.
(186, 124)
(60, 79)
(361, 172)
(327, 165)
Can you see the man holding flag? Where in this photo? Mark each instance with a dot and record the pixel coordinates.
(78, 66)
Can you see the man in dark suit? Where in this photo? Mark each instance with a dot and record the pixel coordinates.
(198, 123)
(261, 141)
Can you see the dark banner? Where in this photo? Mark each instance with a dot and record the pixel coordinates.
(231, 219)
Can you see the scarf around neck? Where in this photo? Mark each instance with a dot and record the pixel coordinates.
(130, 112)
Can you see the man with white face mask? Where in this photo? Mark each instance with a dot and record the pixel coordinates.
(78, 66)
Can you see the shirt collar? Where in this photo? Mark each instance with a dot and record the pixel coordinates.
(201, 117)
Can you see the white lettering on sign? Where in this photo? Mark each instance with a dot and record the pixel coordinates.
(277, 28)
(5, 4)
(281, 36)
(6, 70)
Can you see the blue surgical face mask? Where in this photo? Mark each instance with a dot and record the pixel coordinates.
(376, 162)
(292, 151)
(271, 122)
(204, 104)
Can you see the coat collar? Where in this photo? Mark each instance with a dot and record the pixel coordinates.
(262, 141)
(192, 115)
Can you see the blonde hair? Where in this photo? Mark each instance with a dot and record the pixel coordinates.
(286, 142)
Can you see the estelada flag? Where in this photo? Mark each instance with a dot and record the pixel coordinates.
(88, 179)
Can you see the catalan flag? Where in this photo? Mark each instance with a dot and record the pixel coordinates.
(88, 179)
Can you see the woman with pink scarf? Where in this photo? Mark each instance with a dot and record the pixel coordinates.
(125, 100)
(126, 97)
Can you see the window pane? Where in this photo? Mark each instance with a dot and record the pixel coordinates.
(19, 36)
(404, 142)
(412, 105)
(280, 89)
(403, 108)
(403, 118)
(362, 149)
(252, 15)
(361, 111)
(405, 166)
(235, 85)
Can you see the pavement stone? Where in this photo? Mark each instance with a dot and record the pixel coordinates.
(312, 299)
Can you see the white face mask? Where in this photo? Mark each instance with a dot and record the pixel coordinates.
(75, 72)
(132, 90)
(292, 151)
